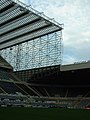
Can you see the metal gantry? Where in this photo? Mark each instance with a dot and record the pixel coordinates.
(28, 39)
(36, 53)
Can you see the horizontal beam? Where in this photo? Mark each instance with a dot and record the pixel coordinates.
(23, 31)
(10, 15)
(31, 36)
(26, 19)
(13, 7)
(4, 4)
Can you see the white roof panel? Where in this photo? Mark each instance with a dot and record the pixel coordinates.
(20, 23)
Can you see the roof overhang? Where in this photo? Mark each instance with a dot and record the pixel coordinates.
(20, 23)
(76, 66)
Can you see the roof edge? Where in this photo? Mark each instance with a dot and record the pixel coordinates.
(41, 14)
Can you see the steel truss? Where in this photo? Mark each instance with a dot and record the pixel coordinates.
(36, 53)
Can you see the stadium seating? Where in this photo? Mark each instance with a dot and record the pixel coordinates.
(4, 75)
(42, 88)
(10, 87)
(26, 88)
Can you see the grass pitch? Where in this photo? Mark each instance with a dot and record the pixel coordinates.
(21, 113)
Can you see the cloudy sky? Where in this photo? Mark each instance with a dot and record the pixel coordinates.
(75, 14)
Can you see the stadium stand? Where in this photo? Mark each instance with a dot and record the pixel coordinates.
(10, 87)
(70, 82)
(49, 88)
(65, 86)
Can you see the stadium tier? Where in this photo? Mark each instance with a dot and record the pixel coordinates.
(46, 86)
(31, 73)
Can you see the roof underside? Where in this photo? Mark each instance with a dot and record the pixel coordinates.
(19, 23)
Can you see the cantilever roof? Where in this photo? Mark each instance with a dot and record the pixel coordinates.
(20, 23)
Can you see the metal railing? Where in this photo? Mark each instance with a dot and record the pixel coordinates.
(41, 14)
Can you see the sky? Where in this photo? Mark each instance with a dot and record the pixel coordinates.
(75, 14)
